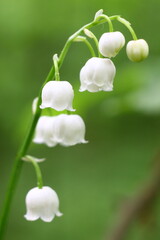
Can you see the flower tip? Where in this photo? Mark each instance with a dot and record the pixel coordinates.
(109, 89)
(71, 109)
(47, 219)
(81, 89)
(98, 13)
(59, 214)
(30, 217)
(41, 106)
(55, 57)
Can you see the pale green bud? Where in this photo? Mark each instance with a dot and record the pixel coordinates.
(137, 50)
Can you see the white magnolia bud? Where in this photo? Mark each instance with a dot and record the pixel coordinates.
(44, 131)
(57, 95)
(97, 75)
(42, 203)
(137, 50)
(69, 130)
(110, 43)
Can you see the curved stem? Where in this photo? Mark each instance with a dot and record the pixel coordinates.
(90, 47)
(128, 25)
(108, 20)
(72, 37)
(83, 39)
(97, 45)
(37, 170)
(17, 166)
(92, 36)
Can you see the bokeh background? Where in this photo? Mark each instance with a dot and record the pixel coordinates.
(123, 126)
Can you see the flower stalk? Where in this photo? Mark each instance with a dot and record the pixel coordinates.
(54, 71)
(35, 161)
(17, 166)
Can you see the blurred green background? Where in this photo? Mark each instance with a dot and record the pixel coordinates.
(123, 126)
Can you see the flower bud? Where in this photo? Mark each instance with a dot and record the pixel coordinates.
(44, 131)
(42, 203)
(97, 75)
(69, 130)
(110, 43)
(34, 105)
(137, 50)
(57, 95)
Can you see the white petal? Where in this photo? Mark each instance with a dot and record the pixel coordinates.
(47, 218)
(31, 217)
(57, 95)
(93, 88)
(45, 131)
(41, 203)
(110, 43)
(70, 130)
(97, 75)
(59, 214)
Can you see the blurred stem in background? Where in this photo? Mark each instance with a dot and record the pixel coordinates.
(138, 206)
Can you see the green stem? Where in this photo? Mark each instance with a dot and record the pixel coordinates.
(90, 47)
(55, 61)
(128, 25)
(72, 37)
(16, 173)
(107, 20)
(37, 170)
(17, 166)
(83, 39)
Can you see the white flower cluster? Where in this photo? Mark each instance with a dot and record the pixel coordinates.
(63, 129)
(66, 130)
(98, 73)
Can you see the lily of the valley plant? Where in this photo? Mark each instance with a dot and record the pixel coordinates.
(67, 129)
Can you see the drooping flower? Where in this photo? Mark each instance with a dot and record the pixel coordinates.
(110, 43)
(97, 75)
(69, 130)
(42, 203)
(45, 131)
(66, 130)
(57, 95)
(137, 50)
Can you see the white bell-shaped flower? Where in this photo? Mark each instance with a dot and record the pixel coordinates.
(57, 95)
(42, 203)
(44, 131)
(97, 75)
(110, 43)
(69, 130)
(137, 50)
